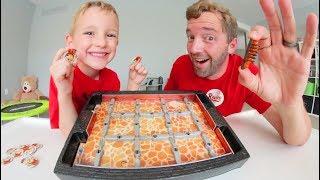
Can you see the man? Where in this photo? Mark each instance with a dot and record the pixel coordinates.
(274, 89)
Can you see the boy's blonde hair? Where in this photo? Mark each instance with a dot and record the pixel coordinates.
(84, 7)
(229, 22)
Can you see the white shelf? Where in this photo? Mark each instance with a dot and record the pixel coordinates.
(312, 101)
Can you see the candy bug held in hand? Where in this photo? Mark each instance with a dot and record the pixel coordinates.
(251, 53)
(71, 56)
(136, 60)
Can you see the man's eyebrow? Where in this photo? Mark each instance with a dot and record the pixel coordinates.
(209, 29)
(204, 28)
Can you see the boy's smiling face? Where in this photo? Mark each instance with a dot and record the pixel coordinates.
(95, 37)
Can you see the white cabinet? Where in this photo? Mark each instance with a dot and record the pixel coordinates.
(311, 94)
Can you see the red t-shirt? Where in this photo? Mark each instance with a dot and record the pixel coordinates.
(83, 87)
(227, 94)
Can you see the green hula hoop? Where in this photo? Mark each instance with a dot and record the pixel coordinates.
(23, 109)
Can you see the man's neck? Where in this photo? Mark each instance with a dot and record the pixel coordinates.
(222, 70)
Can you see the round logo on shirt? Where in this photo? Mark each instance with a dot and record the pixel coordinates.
(216, 96)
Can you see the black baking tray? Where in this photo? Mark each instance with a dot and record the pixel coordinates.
(65, 169)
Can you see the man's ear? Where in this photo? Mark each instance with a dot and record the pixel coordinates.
(68, 40)
(233, 45)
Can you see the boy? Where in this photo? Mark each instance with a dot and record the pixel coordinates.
(94, 36)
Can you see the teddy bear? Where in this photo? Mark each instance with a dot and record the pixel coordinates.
(29, 89)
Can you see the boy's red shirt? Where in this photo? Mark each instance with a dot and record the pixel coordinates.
(83, 87)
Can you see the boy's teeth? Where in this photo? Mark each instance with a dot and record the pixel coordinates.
(98, 54)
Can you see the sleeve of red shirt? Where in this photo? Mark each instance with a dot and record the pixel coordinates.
(171, 80)
(255, 101)
(53, 105)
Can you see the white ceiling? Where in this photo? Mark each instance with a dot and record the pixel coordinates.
(248, 12)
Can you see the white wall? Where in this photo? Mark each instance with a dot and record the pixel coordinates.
(154, 29)
(16, 18)
(151, 28)
(50, 24)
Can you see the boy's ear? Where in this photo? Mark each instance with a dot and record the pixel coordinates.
(233, 45)
(68, 39)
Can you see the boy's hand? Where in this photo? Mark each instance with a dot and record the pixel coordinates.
(137, 74)
(61, 71)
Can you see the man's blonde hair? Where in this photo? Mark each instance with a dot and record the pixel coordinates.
(229, 22)
(85, 6)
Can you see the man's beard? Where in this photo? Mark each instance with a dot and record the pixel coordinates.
(214, 66)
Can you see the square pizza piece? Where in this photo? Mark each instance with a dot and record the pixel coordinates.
(176, 106)
(124, 106)
(192, 149)
(96, 123)
(198, 112)
(182, 123)
(214, 140)
(156, 153)
(150, 106)
(91, 146)
(152, 126)
(121, 126)
(102, 110)
(118, 154)
(88, 154)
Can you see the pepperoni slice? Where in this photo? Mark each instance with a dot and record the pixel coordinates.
(37, 145)
(30, 161)
(11, 151)
(18, 152)
(7, 160)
